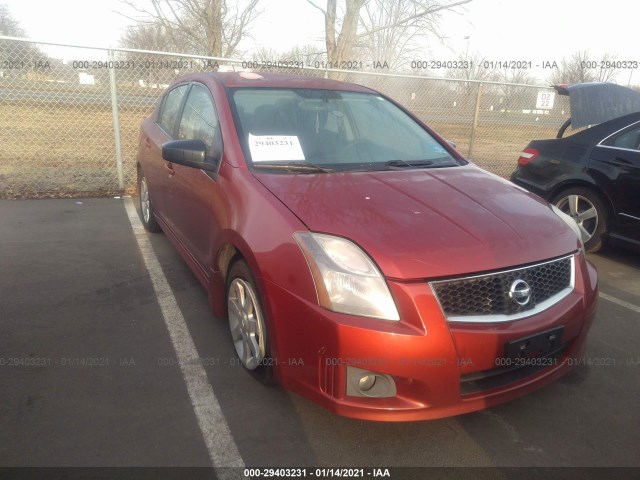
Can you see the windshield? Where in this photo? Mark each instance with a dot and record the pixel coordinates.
(332, 131)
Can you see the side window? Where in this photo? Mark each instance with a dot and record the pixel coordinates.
(629, 139)
(171, 108)
(199, 120)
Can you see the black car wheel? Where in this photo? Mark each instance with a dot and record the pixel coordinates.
(588, 211)
(146, 208)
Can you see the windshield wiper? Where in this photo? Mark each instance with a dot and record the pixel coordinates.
(389, 165)
(293, 167)
(401, 164)
(410, 163)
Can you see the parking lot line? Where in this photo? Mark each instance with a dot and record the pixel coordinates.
(222, 448)
(622, 303)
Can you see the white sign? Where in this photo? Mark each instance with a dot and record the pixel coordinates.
(270, 148)
(86, 79)
(545, 100)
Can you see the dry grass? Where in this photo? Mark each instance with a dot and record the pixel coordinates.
(54, 151)
(495, 147)
(50, 150)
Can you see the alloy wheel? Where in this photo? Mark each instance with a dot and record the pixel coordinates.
(246, 323)
(583, 212)
(144, 200)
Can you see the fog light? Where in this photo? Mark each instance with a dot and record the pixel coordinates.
(367, 382)
(363, 383)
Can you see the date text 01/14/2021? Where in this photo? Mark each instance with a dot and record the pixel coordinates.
(316, 473)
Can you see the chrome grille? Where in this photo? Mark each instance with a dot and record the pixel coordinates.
(486, 297)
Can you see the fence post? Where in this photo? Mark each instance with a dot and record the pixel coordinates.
(475, 120)
(116, 119)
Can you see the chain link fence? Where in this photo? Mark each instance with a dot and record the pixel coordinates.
(70, 127)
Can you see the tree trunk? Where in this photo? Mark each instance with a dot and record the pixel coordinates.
(330, 29)
(214, 32)
(339, 49)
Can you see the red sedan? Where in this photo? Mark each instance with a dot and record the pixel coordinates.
(361, 261)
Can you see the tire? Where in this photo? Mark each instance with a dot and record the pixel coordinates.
(147, 215)
(579, 202)
(247, 323)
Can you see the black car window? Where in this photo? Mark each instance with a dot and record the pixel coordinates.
(629, 139)
(171, 108)
(199, 120)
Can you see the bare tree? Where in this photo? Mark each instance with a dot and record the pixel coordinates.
(395, 46)
(306, 53)
(607, 70)
(9, 26)
(207, 27)
(517, 75)
(16, 51)
(309, 54)
(579, 68)
(472, 67)
(264, 54)
(298, 56)
(575, 69)
(340, 44)
(149, 36)
(346, 28)
(511, 90)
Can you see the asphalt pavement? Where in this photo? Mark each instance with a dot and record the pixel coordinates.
(88, 372)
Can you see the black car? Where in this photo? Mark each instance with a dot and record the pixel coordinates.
(594, 174)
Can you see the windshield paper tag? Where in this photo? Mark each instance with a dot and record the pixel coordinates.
(270, 148)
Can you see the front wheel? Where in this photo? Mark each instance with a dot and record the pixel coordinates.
(247, 323)
(588, 211)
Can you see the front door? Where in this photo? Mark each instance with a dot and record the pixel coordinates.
(196, 196)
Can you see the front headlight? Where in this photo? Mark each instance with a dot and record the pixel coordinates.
(346, 279)
(571, 222)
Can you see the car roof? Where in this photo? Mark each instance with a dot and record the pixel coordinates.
(248, 79)
(598, 132)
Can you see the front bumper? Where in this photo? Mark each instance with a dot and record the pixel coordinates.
(431, 361)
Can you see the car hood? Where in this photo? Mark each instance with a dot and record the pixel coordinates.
(427, 223)
(594, 103)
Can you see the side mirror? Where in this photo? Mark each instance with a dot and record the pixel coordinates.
(191, 153)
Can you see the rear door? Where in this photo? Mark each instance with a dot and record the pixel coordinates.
(154, 134)
(617, 163)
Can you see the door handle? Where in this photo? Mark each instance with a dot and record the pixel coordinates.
(147, 142)
(169, 168)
